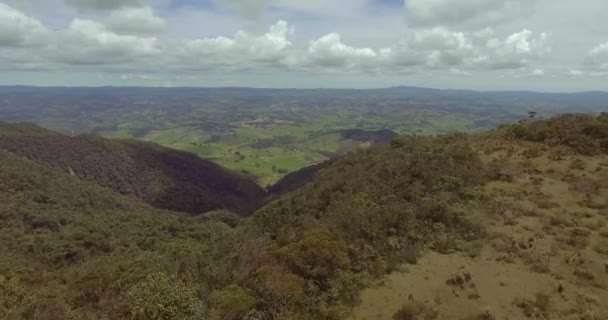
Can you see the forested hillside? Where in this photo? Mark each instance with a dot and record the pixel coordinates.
(164, 178)
(494, 206)
(297, 179)
(70, 248)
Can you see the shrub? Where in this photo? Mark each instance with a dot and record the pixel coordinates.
(415, 311)
(317, 256)
(160, 297)
(584, 134)
(539, 307)
(233, 302)
(12, 294)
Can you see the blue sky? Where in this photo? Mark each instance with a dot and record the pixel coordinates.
(473, 44)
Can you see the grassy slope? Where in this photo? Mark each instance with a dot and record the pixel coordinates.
(547, 235)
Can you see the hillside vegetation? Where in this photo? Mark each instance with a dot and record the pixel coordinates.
(297, 179)
(70, 248)
(545, 237)
(586, 134)
(460, 215)
(164, 178)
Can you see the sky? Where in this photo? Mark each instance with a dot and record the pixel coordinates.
(541, 45)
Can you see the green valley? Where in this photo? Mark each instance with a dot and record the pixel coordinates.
(268, 133)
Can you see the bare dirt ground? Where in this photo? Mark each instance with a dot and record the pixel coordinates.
(545, 255)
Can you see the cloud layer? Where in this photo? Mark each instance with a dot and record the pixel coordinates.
(136, 21)
(17, 29)
(598, 57)
(450, 38)
(126, 37)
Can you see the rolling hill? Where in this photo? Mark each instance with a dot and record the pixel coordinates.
(164, 178)
(508, 224)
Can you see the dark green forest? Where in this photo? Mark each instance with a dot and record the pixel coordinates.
(162, 177)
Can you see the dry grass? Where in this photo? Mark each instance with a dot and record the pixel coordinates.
(484, 315)
(537, 263)
(583, 274)
(577, 164)
(559, 221)
(601, 247)
(594, 204)
(537, 308)
(416, 311)
(563, 210)
(546, 204)
(577, 238)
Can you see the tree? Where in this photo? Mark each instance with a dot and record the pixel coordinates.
(233, 302)
(160, 297)
(317, 256)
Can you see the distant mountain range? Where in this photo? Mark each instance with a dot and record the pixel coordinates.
(588, 99)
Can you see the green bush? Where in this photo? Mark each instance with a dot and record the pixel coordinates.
(160, 297)
(233, 302)
(585, 134)
(12, 294)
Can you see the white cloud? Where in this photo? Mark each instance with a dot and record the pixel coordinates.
(442, 48)
(88, 42)
(135, 21)
(242, 51)
(448, 13)
(538, 73)
(598, 57)
(329, 51)
(517, 50)
(575, 72)
(103, 4)
(437, 49)
(19, 30)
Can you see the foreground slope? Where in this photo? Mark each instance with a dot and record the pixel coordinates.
(162, 177)
(547, 235)
(95, 254)
(502, 225)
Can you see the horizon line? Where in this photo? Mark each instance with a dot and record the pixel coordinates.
(301, 89)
